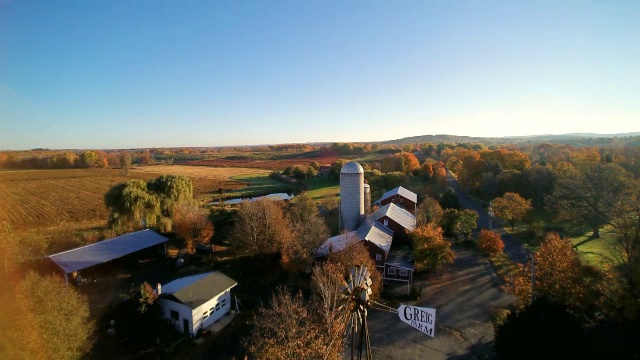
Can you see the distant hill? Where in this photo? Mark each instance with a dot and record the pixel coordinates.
(575, 139)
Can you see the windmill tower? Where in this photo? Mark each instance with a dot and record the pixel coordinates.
(356, 291)
(351, 195)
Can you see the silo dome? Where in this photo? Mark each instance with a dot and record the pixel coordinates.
(351, 195)
(352, 167)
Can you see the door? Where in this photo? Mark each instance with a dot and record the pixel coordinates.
(185, 325)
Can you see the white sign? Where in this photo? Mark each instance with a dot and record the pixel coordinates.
(423, 319)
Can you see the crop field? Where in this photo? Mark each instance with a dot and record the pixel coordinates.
(43, 198)
(277, 165)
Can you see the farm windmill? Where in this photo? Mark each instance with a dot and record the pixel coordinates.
(355, 296)
(356, 292)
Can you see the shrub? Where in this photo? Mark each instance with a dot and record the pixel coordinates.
(490, 242)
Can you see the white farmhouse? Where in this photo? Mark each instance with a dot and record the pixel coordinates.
(194, 302)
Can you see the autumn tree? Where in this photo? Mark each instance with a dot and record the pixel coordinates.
(87, 159)
(590, 196)
(191, 223)
(430, 250)
(125, 163)
(260, 227)
(559, 276)
(510, 207)
(356, 253)
(548, 325)
(428, 212)
(309, 231)
(52, 320)
(289, 329)
(489, 242)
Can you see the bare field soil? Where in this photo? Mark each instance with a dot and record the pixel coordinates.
(42, 198)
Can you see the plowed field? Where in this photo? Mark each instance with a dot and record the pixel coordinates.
(40, 198)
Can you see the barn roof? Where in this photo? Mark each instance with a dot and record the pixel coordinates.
(195, 290)
(376, 233)
(401, 257)
(106, 250)
(394, 212)
(402, 192)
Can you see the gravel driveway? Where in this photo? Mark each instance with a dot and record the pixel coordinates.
(464, 294)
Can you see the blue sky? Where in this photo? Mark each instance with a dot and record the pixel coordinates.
(123, 74)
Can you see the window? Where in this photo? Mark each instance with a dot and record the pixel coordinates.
(378, 257)
(224, 302)
(212, 309)
(391, 271)
(400, 199)
(393, 200)
(218, 306)
(175, 315)
(403, 272)
(386, 222)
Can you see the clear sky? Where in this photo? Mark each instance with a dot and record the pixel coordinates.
(123, 74)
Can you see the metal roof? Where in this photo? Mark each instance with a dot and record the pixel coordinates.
(394, 212)
(337, 243)
(402, 192)
(376, 233)
(106, 250)
(352, 167)
(195, 290)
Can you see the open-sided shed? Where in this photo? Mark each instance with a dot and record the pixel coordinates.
(101, 252)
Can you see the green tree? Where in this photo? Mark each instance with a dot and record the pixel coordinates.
(449, 199)
(52, 322)
(590, 196)
(430, 250)
(511, 207)
(459, 223)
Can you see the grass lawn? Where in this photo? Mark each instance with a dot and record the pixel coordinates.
(604, 249)
(257, 185)
(319, 188)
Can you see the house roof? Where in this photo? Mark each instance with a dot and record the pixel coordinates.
(106, 250)
(402, 192)
(401, 258)
(376, 233)
(195, 290)
(394, 212)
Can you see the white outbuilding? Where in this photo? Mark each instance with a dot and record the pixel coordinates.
(195, 302)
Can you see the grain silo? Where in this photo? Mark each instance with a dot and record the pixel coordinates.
(367, 199)
(351, 195)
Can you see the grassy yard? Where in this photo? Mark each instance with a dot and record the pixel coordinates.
(257, 185)
(320, 188)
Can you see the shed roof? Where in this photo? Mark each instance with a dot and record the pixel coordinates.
(195, 290)
(394, 212)
(106, 250)
(337, 243)
(407, 194)
(401, 257)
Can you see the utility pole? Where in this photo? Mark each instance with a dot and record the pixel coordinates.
(533, 276)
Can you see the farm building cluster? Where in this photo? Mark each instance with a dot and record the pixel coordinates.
(390, 224)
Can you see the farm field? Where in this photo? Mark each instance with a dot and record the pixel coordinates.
(48, 198)
(270, 164)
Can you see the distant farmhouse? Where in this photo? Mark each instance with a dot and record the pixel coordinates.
(392, 222)
(195, 302)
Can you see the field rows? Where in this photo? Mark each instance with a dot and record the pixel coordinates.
(39, 198)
